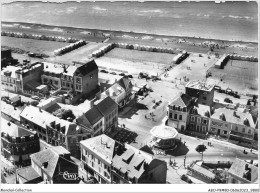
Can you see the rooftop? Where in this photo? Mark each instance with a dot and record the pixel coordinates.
(93, 115)
(203, 171)
(200, 85)
(238, 169)
(13, 130)
(164, 132)
(181, 100)
(43, 118)
(28, 174)
(106, 106)
(202, 110)
(102, 145)
(114, 90)
(87, 67)
(10, 70)
(233, 116)
(53, 68)
(11, 111)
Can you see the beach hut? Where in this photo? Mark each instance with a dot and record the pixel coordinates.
(255, 59)
(243, 58)
(150, 49)
(139, 48)
(159, 49)
(247, 58)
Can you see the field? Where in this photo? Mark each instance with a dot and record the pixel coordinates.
(81, 54)
(241, 76)
(134, 61)
(197, 71)
(35, 46)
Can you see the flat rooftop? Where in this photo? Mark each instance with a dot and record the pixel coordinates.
(200, 85)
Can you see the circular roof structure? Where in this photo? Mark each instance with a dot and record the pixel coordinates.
(164, 132)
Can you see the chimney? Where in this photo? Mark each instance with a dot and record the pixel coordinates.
(45, 164)
(9, 124)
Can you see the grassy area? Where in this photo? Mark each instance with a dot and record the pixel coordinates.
(35, 46)
(140, 56)
(81, 54)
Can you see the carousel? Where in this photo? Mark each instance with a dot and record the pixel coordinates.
(164, 138)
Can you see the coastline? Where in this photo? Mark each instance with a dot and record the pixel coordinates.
(128, 33)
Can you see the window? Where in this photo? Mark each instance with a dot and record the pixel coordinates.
(199, 120)
(249, 131)
(180, 117)
(236, 128)
(63, 83)
(243, 130)
(91, 76)
(99, 161)
(45, 80)
(56, 82)
(193, 119)
(68, 84)
(204, 98)
(224, 132)
(92, 164)
(170, 115)
(78, 80)
(175, 116)
(204, 121)
(204, 129)
(198, 128)
(92, 157)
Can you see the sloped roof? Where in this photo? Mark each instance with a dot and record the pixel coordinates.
(203, 171)
(10, 110)
(125, 83)
(135, 167)
(53, 68)
(164, 132)
(60, 150)
(202, 110)
(93, 115)
(87, 68)
(233, 116)
(28, 174)
(114, 90)
(107, 105)
(182, 100)
(238, 169)
(49, 156)
(13, 130)
(43, 118)
(102, 145)
(11, 69)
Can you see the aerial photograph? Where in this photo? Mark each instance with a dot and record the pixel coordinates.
(128, 92)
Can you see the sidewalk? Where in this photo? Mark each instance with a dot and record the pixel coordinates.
(233, 145)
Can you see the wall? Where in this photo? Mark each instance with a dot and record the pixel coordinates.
(33, 74)
(221, 125)
(53, 80)
(201, 123)
(180, 122)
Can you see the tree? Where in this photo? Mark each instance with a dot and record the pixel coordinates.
(200, 149)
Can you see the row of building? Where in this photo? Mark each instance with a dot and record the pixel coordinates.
(195, 111)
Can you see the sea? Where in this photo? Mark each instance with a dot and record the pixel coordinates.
(234, 21)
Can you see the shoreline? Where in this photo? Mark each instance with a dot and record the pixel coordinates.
(120, 33)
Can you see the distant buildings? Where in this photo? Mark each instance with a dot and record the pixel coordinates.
(111, 162)
(17, 143)
(49, 166)
(6, 58)
(242, 172)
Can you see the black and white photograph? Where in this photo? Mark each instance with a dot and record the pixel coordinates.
(145, 93)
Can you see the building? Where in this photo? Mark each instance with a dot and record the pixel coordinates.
(17, 143)
(49, 166)
(96, 157)
(109, 109)
(242, 172)
(133, 166)
(199, 122)
(164, 137)
(54, 130)
(9, 77)
(6, 58)
(232, 124)
(201, 173)
(120, 92)
(178, 111)
(10, 112)
(111, 162)
(201, 90)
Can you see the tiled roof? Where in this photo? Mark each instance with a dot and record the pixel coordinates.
(88, 67)
(202, 110)
(13, 130)
(203, 171)
(238, 169)
(102, 145)
(10, 110)
(182, 100)
(93, 115)
(49, 156)
(137, 159)
(107, 105)
(28, 174)
(43, 118)
(233, 116)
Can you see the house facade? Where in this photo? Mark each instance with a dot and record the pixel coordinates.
(17, 143)
(178, 111)
(9, 77)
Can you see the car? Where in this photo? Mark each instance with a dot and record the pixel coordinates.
(227, 100)
(121, 74)
(184, 177)
(217, 88)
(113, 73)
(129, 76)
(104, 71)
(35, 98)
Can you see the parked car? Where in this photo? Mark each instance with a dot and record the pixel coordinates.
(35, 98)
(229, 91)
(129, 76)
(121, 74)
(217, 88)
(113, 73)
(227, 100)
(143, 75)
(104, 71)
(186, 179)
